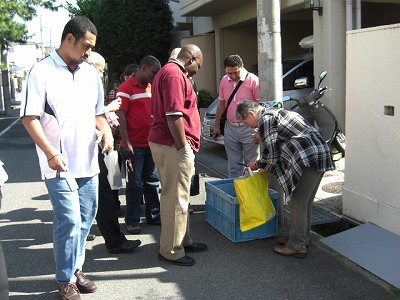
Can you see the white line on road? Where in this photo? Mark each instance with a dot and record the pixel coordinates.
(9, 127)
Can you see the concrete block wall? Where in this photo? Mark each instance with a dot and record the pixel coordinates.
(372, 178)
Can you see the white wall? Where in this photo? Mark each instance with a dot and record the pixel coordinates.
(329, 55)
(372, 187)
(202, 25)
(207, 46)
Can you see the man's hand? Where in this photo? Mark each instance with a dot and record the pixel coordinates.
(105, 136)
(253, 165)
(114, 105)
(57, 162)
(216, 132)
(128, 148)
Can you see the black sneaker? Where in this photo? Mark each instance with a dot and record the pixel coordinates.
(90, 237)
(184, 261)
(196, 247)
(126, 247)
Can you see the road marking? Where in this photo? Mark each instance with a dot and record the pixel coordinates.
(9, 127)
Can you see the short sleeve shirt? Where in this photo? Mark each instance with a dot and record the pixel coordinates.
(173, 94)
(66, 103)
(248, 90)
(136, 102)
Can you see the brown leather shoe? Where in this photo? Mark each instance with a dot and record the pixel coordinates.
(282, 240)
(84, 284)
(286, 251)
(69, 292)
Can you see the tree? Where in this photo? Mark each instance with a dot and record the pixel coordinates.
(12, 30)
(128, 30)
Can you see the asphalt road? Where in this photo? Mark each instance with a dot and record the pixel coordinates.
(249, 270)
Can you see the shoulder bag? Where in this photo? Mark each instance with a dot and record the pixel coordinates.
(223, 116)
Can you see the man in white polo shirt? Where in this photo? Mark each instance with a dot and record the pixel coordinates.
(62, 107)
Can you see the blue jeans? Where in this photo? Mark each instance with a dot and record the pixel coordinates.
(74, 213)
(142, 181)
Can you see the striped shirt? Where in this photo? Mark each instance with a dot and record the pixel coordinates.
(136, 102)
(289, 144)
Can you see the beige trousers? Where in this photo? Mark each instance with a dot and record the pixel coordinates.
(175, 169)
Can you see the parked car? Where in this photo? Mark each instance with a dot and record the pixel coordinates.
(294, 67)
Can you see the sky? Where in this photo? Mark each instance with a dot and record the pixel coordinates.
(52, 25)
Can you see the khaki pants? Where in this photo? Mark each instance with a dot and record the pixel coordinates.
(175, 169)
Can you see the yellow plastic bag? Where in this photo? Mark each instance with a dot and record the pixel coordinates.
(255, 205)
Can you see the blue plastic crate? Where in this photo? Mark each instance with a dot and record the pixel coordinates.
(222, 212)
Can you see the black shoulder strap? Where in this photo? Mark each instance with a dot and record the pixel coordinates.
(234, 92)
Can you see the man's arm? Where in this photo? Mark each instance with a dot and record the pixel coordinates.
(55, 159)
(123, 128)
(220, 110)
(105, 133)
(177, 129)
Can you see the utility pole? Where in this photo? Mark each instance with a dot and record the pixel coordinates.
(41, 36)
(269, 49)
(270, 69)
(5, 80)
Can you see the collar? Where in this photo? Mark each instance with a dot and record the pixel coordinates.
(175, 61)
(243, 77)
(59, 61)
(134, 82)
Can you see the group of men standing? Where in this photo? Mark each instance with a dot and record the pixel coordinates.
(63, 112)
(160, 128)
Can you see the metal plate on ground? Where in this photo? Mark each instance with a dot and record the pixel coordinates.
(319, 216)
(371, 247)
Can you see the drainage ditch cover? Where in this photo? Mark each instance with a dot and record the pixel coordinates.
(333, 187)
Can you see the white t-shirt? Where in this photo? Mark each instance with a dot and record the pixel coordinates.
(67, 104)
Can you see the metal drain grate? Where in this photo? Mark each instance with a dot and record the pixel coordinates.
(320, 216)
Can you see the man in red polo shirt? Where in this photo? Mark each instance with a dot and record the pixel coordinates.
(135, 117)
(174, 137)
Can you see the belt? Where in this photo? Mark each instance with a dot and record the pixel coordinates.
(236, 123)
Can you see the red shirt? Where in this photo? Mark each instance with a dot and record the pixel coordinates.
(172, 93)
(136, 102)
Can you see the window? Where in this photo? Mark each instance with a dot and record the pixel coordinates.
(297, 69)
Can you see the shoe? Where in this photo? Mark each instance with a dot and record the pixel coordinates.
(84, 284)
(120, 212)
(283, 240)
(286, 251)
(133, 228)
(69, 292)
(154, 222)
(196, 247)
(90, 237)
(126, 247)
(184, 261)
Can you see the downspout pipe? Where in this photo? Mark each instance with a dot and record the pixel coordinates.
(358, 14)
(349, 14)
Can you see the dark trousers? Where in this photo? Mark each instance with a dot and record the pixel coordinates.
(142, 181)
(107, 212)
